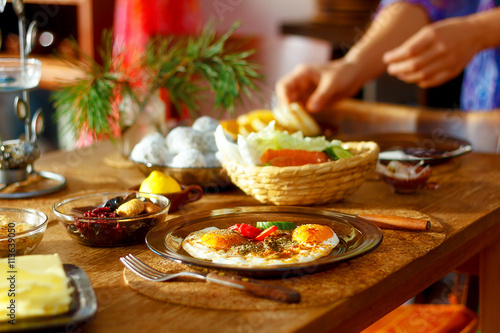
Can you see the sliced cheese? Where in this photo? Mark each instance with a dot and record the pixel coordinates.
(41, 287)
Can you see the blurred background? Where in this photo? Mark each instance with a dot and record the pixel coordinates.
(284, 32)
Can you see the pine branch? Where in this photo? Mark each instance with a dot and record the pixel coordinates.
(201, 64)
(189, 68)
(87, 103)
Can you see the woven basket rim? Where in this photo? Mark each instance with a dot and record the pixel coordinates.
(306, 184)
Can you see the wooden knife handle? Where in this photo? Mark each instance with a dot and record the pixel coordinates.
(257, 288)
(396, 222)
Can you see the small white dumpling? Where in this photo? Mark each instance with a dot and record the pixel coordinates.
(212, 161)
(205, 124)
(183, 137)
(189, 158)
(169, 157)
(209, 138)
(151, 149)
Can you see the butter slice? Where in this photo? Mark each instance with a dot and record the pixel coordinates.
(41, 287)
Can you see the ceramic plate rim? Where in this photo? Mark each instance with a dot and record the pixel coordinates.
(464, 146)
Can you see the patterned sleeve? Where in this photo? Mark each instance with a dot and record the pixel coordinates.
(434, 11)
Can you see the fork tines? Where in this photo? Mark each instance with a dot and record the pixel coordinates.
(140, 268)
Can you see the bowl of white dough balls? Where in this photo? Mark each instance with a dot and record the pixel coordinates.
(188, 154)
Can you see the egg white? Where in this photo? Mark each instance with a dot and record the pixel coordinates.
(193, 245)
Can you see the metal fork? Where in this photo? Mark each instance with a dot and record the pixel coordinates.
(255, 287)
(151, 274)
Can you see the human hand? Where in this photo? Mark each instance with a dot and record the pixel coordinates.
(435, 54)
(315, 85)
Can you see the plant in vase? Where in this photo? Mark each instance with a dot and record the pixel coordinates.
(112, 96)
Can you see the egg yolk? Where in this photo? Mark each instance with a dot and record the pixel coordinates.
(312, 234)
(222, 239)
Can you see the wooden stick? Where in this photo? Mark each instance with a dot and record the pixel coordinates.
(396, 222)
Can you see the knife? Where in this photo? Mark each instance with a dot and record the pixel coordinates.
(393, 222)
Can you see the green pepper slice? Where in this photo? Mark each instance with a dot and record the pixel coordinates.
(337, 153)
(279, 224)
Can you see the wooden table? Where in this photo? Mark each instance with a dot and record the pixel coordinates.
(467, 202)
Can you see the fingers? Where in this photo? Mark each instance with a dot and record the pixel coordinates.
(297, 86)
(423, 60)
(436, 80)
(414, 64)
(282, 93)
(322, 95)
(285, 91)
(317, 85)
(433, 74)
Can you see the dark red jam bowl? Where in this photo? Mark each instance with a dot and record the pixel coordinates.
(101, 230)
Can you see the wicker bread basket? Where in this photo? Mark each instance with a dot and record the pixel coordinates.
(309, 184)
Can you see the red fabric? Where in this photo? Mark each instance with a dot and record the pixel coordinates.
(135, 21)
(170, 112)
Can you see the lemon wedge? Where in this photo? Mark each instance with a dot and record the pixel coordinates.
(254, 121)
(157, 182)
(231, 127)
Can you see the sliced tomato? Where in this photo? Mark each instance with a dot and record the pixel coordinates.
(267, 232)
(246, 230)
(291, 157)
(282, 161)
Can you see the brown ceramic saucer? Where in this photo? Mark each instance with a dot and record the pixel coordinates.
(188, 194)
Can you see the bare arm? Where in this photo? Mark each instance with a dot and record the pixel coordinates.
(319, 84)
(488, 26)
(440, 51)
(392, 26)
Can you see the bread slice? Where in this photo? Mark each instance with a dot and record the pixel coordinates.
(295, 118)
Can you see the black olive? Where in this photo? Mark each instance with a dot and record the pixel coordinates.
(114, 203)
(72, 229)
(129, 197)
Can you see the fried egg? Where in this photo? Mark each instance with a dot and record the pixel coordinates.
(306, 243)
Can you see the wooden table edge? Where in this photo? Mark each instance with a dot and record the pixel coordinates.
(484, 244)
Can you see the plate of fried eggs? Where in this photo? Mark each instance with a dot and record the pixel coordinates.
(307, 241)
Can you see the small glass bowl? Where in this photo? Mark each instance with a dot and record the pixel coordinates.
(18, 154)
(406, 186)
(16, 75)
(24, 242)
(102, 232)
(410, 177)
